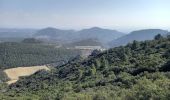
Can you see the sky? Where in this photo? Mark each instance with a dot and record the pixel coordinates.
(122, 15)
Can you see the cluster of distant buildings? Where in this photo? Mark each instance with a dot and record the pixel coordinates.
(85, 50)
(89, 48)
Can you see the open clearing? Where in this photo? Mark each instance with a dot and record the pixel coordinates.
(15, 73)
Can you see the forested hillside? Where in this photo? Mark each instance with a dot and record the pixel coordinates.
(137, 71)
(28, 54)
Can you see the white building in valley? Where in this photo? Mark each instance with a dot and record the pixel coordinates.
(89, 48)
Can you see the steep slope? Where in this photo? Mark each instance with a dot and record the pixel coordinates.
(139, 70)
(140, 35)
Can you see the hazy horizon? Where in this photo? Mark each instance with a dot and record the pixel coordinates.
(119, 15)
(119, 30)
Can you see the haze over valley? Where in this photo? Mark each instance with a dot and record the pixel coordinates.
(84, 50)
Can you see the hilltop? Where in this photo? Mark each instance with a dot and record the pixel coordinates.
(139, 35)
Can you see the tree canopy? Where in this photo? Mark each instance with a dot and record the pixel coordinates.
(137, 71)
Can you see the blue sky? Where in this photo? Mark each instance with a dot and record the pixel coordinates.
(76, 14)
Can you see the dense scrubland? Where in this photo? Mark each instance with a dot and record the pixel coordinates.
(32, 53)
(137, 71)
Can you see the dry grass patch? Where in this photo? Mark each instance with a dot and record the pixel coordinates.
(15, 73)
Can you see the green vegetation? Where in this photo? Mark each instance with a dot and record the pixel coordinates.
(86, 42)
(137, 71)
(31, 40)
(3, 77)
(28, 54)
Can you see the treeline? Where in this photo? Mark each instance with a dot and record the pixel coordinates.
(28, 54)
(137, 71)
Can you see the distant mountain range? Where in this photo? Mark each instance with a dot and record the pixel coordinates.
(140, 35)
(103, 35)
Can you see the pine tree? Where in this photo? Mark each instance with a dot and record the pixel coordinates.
(104, 64)
(93, 69)
(158, 37)
(135, 45)
(97, 63)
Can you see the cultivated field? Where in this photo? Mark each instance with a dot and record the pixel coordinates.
(15, 73)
